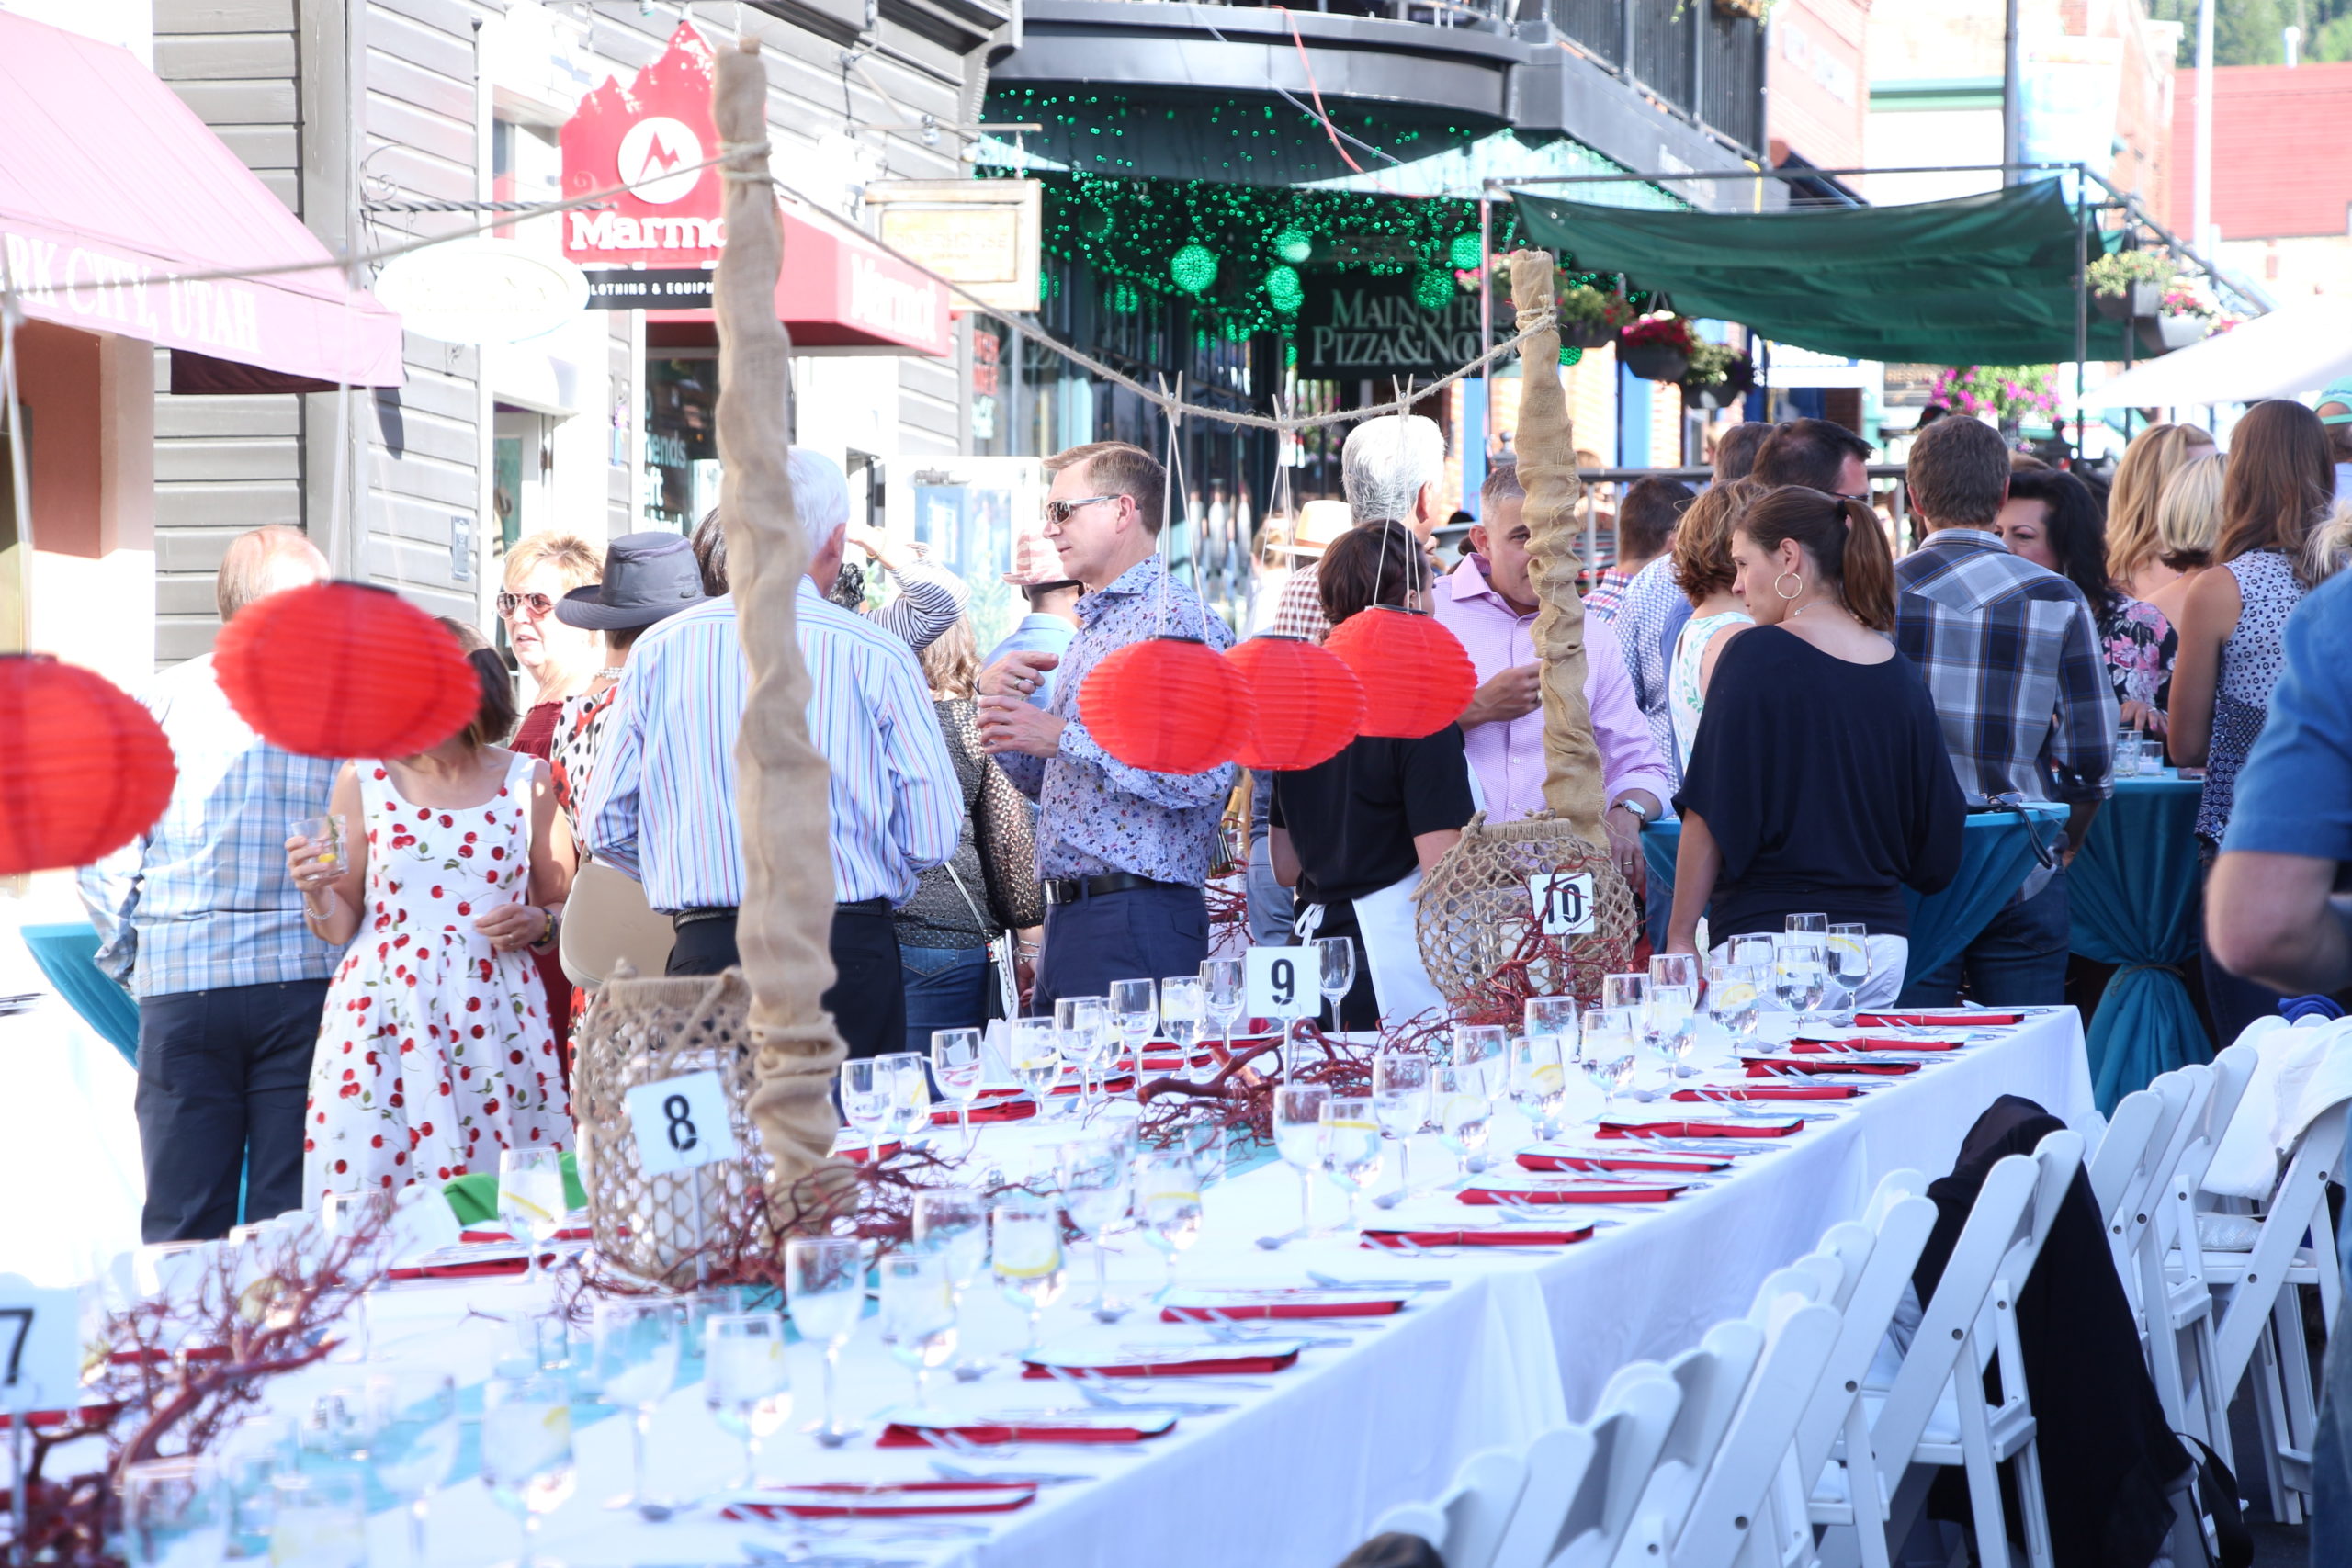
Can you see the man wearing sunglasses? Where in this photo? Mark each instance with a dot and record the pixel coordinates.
(1123, 853)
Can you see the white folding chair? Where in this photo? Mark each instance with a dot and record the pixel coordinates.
(1466, 1523)
(1713, 1376)
(1721, 1523)
(2131, 1178)
(1572, 1513)
(2183, 1359)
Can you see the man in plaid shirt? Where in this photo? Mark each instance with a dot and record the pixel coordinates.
(2012, 659)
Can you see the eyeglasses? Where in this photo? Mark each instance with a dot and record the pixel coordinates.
(538, 603)
(1057, 513)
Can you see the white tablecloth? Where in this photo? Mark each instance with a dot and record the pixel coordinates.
(1295, 1473)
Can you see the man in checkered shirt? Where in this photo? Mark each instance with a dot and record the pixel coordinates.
(2012, 659)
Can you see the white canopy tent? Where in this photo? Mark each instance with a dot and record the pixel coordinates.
(2297, 348)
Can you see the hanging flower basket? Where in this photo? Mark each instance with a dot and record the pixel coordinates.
(1719, 377)
(1658, 348)
(2162, 334)
(1586, 334)
(2137, 301)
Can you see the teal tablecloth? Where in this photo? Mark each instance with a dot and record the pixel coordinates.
(66, 953)
(2133, 895)
(1996, 855)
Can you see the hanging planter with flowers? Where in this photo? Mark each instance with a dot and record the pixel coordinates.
(1719, 376)
(2131, 285)
(2009, 394)
(1658, 348)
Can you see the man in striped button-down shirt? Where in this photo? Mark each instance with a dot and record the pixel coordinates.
(661, 802)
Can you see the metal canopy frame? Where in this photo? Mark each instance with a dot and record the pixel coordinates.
(2116, 199)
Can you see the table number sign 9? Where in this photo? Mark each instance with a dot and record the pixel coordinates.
(40, 1362)
(1564, 902)
(1280, 982)
(681, 1124)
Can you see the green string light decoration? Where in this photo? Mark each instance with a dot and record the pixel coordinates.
(1463, 253)
(1122, 298)
(1293, 246)
(1432, 289)
(1284, 289)
(1193, 268)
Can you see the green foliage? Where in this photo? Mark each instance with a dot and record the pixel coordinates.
(2110, 274)
(2250, 32)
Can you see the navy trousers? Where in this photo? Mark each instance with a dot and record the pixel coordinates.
(1140, 933)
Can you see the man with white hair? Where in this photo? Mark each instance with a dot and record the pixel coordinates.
(198, 917)
(1390, 468)
(662, 805)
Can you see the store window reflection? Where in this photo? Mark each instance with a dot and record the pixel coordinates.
(680, 442)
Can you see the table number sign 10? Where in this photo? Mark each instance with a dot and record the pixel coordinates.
(1280, 982)
(681, 1124)
(1564, 902)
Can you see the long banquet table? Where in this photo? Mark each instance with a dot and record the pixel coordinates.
(1307, 1457)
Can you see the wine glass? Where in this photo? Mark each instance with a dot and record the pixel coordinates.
(1134, 1013)
(1625, 992)
(1539, 1080)
(1183, 1010)
(825, 1291)
(1093, 1176)
(910, 1093)
(1038, 1058)
(1815, 925)
(1026, 1234)
(1754, 948)
(1669, 1023)
(1734, 993)
(1678, 969)
(245, 1461)
(526, 1449)
(1224, 986)
(1479, 1046)
(702, 1306)
(866, 1100)
(1552, 1015)
(957, 1061)
(1335, 960)
(1463, 1111)
(918, 1315)
(1350, 1147)
(530, 1199)
(1849, 963)
(413, 1441)
(1608, 1052)
(319, 1519)
(1168, 1199)
(954, 1222)
(1299, 1137)
(1080, 1025)
(1400, 1100)
(170, 1509)
(636, 1348)
(747, 1380)
(1800, 971)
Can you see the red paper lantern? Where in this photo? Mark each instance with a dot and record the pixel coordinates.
(1167, 705)
(1309, 703)
(1417, 678)
(84, 770)
(345, 669)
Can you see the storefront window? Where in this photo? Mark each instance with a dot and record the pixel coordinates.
(680, 442)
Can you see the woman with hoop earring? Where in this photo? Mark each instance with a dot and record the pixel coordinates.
(1818, 782)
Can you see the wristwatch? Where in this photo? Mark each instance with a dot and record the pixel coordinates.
(1641, 813)
(546, 938)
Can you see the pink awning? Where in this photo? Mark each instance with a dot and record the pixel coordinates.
(109, 186)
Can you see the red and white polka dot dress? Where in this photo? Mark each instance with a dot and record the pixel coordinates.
(435, 1052)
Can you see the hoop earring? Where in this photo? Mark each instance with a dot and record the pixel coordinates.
(1784, 592)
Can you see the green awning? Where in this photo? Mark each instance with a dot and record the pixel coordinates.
(1976, 280)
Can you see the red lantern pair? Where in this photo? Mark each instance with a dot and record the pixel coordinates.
(84, 769)
(1167, 705)
(345, 669)
(1309, 704)
(1416, 677)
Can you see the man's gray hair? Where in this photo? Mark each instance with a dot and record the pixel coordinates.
(819, 495)
(1387, 463)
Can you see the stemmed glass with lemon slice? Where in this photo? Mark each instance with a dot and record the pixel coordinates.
(1539, 1080)
(530, 1199)
(1849, 963)
(1026, 1251)
(1350, 1147)
(1168, 1199)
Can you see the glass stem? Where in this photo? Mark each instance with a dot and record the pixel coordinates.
(416, 1533)
(833, 1358)
(1101, 1284)
(638, 1430)
(1405, 1162)
(530, 1539)
(1306, 1202)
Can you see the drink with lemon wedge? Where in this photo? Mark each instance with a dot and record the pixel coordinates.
(1539, 1078)
(1168, 1197)
(1025, 1239)
(530, 1199)
(1350, 1147)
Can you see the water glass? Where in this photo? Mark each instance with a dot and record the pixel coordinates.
(637, 1349)
(2152, 754)
(918, 1315)
(1479, 1046)
(1400, 1101)
(1463, 1109)
(1168, 1200)
(1607, 1054)
(747, 1381)
(1135, 1013)
(1800, 970)
(1815, 925)
(702, 1306)
(1093, 1175)
(1335, 961)
(1183, 1011)
(910, 1093)
(323, 833)
(1754, 948)
(1626, 993)
(2127, 754)
(1083, 1025)
(1539, 1080)
(1849, 961)
(531, 1199)
(824, 1282)
(245, 1462)
(319, 1519)
(1298, 1136)
(1552, 1015)
(1350, 1147)
(1026, 1251)
(1678, 969)
(1224, 988)
(413, 1441)
(1670, 1024)
(958, 1061)
(1735, 994)
(170, 1509)
(526, 1449)
(866, 1100)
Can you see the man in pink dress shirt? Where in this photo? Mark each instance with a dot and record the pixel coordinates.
(1489, 604)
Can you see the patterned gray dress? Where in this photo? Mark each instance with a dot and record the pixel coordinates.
(2268, 591)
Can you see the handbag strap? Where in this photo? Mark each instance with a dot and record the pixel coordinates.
(1000, 947)
(978, 920)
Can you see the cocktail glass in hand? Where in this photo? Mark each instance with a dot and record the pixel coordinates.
(530, 1199)
(1026, 1251)
(526, 1449)
(1223, 987)
(954, 1222)
(1464, 1112)
(957, 1061)
(1539, 1080)
(866, 1100)
(747, 1381)
(1335, 960)
(824, 1282)
(324, 834)
(1093, 1174)
(1135, 1013)
(637, 1344)
(1400, 1101)
(1183, 1010)
(1168, 1200)
(1038, 1058)
(918, 1315)
(1849, 963)
(1606, 1053)
(1299, 1137)
(1351, 1149)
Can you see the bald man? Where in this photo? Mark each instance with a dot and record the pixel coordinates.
(198, 917)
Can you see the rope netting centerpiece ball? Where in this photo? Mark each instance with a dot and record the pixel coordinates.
(1480, 938)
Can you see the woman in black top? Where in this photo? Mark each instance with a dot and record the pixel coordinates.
(1382, 811)
(1818, 783)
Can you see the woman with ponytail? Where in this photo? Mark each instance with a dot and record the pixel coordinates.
(1818, 783)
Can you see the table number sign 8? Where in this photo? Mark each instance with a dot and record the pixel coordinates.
(1280, 982)
(681, 1124)
(1563, 901)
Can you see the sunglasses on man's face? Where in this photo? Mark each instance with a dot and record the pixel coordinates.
(538, 603)
(1057, 513)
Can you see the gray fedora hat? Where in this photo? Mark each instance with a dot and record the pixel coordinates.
(647, 577)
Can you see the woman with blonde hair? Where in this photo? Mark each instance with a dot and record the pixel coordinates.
(2149, 463)
(559, 661)
(2188, 525)
(1703, 571)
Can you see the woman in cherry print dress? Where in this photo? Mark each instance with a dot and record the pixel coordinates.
(436, 1051)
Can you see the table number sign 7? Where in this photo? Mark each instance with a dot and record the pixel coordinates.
(1563, 901)
(40, 1362)
(681, 1124)
(1280, 982)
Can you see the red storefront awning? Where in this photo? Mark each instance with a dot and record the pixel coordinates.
(109, 186)
(835, 292)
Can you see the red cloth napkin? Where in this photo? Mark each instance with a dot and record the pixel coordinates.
(1775, 1067)
(1804, 1047)
(1519, 1235)
(904, 1435)
(1281, 1309)
(1533, 1160)
(1700, 1129)
(1775, 1091)
(987, 1111)
(575, 1233)
(1218, 1367)
(832, 1500)
(1490, 1195)
(1938, 1019)
(855, 1153)
(471, 1271)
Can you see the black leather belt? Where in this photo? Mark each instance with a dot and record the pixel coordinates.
(1071, 889)
(864, 906)
(684, 918)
